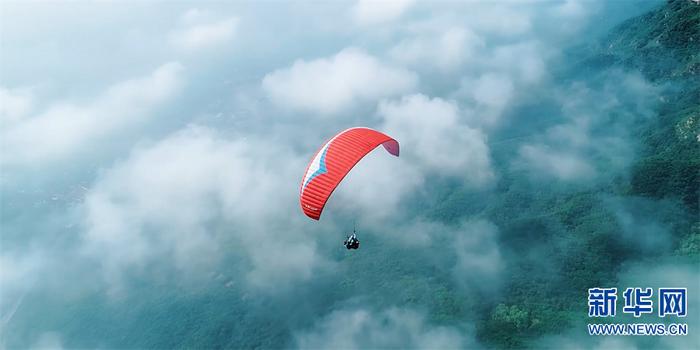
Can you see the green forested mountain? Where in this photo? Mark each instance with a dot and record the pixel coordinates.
(664, 45)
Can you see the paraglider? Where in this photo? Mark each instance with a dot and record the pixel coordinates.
(352, 242)
(333, 162)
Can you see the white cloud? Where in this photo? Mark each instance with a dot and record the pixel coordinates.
(376, 187)
(329, 85)
(570, 9)
(197, 36)
(419, 233)
(489, 95)
(446, 49)
(475, 259)
(161, 206)
(390, 328)
(49, 341)
(593, 139)
(575, 133)
(524, 61)
(431, 134)
(641, 223)
(379, 11)
(479, 263)
(292, 262)
(493, 90)
(15, 104)
(559, 164)
(18, 273)
(195, 15)
(155, 204)
(574, 12)
(66, 128)
(499, 19)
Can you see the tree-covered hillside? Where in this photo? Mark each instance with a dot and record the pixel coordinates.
(664, 45)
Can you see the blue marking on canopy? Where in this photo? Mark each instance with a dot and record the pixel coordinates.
(321, 168)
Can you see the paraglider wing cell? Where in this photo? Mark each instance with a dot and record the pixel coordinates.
(333, 162)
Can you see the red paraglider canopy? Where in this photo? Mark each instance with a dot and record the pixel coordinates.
(333, 162)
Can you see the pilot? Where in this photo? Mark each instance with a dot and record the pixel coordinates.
(352, 242)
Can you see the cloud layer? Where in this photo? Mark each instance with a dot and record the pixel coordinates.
(64, 129)
(164, 157)
(198, 34)
(391, 328)
(368, 12)
(329, 85)
(438, 140)
(170, 204)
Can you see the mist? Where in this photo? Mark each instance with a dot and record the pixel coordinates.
(151, 155)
